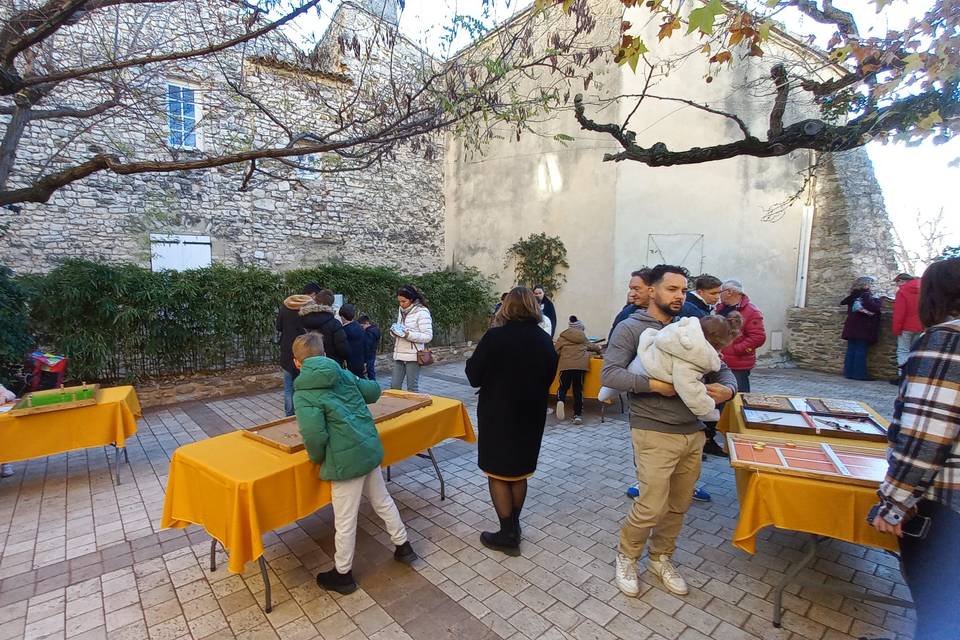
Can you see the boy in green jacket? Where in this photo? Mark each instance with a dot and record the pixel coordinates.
(340, 436)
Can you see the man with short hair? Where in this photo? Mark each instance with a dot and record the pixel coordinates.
(638, 295)
(701, 301)
(667, 438)
(741, 354)
(546, 306)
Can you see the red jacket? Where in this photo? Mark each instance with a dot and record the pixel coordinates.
(906, 308)
(742, 353)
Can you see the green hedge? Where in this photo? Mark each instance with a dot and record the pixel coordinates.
(15, 339)
(127, 323)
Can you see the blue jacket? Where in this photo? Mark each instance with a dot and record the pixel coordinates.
(371, 342)
(356, 348)
(694, 307)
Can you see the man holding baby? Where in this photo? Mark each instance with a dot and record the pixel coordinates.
(667, 437)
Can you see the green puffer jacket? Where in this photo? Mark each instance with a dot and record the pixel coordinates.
(337, 428)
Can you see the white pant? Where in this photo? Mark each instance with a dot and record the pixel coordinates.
(346, 507)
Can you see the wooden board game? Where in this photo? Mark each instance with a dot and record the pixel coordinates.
(855, 427)
(765, 401)
(56, 399)
(840, 463)
(838, 407)
(284, 434)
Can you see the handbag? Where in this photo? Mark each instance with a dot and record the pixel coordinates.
(424, 357)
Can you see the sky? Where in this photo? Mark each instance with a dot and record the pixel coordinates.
(914, 180)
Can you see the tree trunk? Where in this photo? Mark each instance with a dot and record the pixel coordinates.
(11, 141)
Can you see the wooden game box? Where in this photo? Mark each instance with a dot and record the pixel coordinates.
(847, 464)
(56, 400)
(834, 425)
(284, 434)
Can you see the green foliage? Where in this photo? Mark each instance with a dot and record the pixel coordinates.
(127, 323)
(15, 339)
(537, 260)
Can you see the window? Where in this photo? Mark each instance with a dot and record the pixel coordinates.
(179, 253)
(182, 116)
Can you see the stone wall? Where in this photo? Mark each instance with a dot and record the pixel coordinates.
(815, 343)
(249, 380)
(284, 220)
(851, 231)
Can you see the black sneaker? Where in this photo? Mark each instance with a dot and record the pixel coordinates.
(333, 580)
(404, 553)
(501, 542)
(711, 447)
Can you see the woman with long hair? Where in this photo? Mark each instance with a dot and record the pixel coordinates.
(513, 365)
(920, 496)
(412, 331)
(861, 328)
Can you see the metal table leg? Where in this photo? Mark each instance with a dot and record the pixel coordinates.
(436, 467)
(267, 599)
(841, 590)
(116, 460)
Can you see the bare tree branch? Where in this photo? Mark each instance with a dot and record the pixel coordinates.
(779, 75)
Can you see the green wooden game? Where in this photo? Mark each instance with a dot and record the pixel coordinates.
(56, 399)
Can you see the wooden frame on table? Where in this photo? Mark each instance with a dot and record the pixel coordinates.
(847, 464)
(25, 406)
(854, 427)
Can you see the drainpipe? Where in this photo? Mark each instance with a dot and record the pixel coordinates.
(806, 231)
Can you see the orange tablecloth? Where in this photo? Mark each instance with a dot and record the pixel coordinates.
(591, 382)
(820, 507)
(238, 489)
(111, 421)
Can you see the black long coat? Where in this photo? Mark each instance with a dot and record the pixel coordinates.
(513, 365)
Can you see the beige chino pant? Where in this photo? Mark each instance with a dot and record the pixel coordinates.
(668, 467)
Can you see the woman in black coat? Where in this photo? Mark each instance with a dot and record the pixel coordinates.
(513, 365)
(861, 328)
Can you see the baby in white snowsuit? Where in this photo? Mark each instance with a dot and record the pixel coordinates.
(682, 353)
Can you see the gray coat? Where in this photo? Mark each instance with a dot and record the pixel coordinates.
(649, 410)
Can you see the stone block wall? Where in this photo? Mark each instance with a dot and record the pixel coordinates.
(815, 343)
(390, 214)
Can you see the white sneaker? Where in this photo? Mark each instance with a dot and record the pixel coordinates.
(561, 411)
(664, 568)
(6, 470)
(577, 420)
(627, 576)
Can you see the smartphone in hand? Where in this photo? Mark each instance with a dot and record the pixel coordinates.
(915, 527)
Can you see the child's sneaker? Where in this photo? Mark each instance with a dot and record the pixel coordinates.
(333, 580)
(700, 495)
(404, 553)
(577, 420)
(561, 411)
(634, 491)
(6, 470)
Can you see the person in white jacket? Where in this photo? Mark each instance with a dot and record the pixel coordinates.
(413, 330)
(682, 353)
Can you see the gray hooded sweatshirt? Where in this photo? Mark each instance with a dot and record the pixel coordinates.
(650, 410)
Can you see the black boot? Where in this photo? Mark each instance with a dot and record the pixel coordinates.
(333, 580)
(404, 553)
(507, 540)
(515, 520)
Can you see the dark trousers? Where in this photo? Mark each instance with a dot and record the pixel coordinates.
(575, 378)
(855, 362)
(930, 568)
(372, 369)
(743, 379)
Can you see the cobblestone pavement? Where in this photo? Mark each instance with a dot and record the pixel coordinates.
(83, 558)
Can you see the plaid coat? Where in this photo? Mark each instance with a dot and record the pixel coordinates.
(924, 452)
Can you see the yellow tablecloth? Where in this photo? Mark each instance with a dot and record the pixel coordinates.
(820, 507)
(112, 420)
(591, 382)
(238, 489)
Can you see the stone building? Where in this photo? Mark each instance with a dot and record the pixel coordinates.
(457, 207)
(182, 219)
(724, 218)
